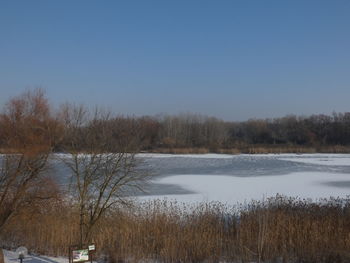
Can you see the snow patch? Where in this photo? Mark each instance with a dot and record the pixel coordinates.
(233, 190)
(12, 257)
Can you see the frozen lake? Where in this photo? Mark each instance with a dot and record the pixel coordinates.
(236, 179)
(240, 178)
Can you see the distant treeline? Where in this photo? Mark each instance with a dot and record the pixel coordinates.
(196, 133)
(91, 130)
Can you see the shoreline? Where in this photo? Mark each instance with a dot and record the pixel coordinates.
(255, 150)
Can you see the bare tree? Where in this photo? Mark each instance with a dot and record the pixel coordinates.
(102, 163)
(28, 132)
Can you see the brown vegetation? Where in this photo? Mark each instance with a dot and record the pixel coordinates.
(189, 133)
(35, 213)
(107, 170)
(278, 230)
(257, 149)
(181, 150)
(28, 133)
(183, 133)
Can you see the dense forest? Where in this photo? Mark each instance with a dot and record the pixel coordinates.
(196, 133)
(186, 133)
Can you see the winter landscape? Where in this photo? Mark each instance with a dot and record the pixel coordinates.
(194, 131)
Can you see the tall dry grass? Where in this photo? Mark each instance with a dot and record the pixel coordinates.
(277, 230)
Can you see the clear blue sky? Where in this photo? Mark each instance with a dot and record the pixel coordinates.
(231, 59)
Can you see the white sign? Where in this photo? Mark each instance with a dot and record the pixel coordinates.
(80, 255)
(92, 247)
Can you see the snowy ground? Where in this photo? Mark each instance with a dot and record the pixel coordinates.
(11, 257)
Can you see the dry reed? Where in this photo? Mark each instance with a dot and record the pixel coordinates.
(278, 230)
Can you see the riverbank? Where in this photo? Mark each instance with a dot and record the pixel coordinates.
(258, 149)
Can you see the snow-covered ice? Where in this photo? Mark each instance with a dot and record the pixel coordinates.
(240, 178)
(232, 190)
(321, 160)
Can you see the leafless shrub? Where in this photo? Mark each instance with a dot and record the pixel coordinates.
(107, 171)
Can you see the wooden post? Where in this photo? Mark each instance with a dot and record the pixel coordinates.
(2, 260)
